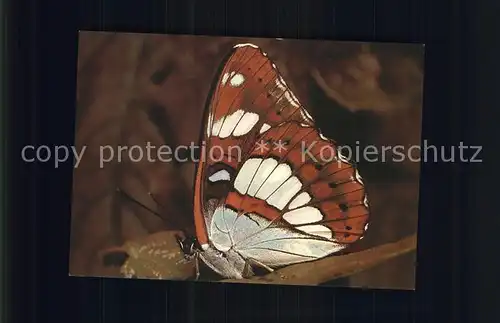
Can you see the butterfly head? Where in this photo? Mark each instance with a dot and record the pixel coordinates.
(188, 245)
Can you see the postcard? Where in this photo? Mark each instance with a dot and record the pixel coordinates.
(247, 160)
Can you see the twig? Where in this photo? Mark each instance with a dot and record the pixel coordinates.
(320, 271)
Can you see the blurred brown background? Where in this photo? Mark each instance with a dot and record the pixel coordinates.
(138, 88)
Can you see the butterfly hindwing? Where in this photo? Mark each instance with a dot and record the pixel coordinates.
(302, 182)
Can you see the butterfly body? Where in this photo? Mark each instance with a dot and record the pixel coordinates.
(270, 189)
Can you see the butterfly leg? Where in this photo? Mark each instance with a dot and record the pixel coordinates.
(189, 258)
(197, 266)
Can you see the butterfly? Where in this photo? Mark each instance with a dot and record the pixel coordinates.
(265, 194)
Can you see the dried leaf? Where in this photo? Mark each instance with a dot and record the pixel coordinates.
(153, 257)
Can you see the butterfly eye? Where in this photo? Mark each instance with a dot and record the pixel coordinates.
(259, 79)
(286, 142)
(348, 228)
(269, 141)
(332, 185)
(318, 166)
(268, 95)
(343, 207)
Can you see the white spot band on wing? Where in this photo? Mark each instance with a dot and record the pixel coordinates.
(265, 127)
(301, 199)
(222, 175)
(238, 123)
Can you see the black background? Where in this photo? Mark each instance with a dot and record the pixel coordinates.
(457, 238)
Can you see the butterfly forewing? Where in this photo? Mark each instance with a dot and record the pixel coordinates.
(250, 97)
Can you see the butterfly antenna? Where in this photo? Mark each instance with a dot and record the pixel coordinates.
(158, 204)
(133, 200)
